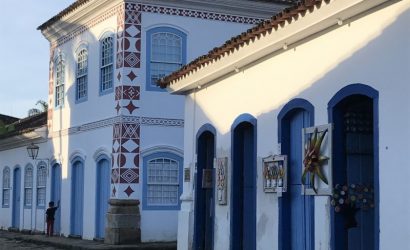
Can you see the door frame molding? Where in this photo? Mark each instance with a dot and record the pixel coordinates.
(368, 91)
(283, 126)
(101, 156)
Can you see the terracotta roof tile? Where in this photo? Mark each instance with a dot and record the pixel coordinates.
(287, 15)
(27, 124)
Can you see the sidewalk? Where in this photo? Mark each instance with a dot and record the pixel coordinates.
(68, 243)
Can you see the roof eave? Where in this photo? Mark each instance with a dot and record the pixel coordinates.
(320, 19)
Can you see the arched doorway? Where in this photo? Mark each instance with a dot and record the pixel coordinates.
(16, 197)
(243, 196)
(102, 195)
(204, 196)
(296, 220)
(77, 196)
(56, 194)
(353, 112)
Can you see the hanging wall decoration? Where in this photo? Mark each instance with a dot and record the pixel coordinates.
(317, 160)
(275, 174)
(221, 181)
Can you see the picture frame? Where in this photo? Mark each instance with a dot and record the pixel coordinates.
(221, 180)
(275, 172)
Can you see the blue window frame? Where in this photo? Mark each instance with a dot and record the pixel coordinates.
(81, 76)
(106, 64)
(41, 184)
(162, 184)
(59, 81)
(28, 186)
(6, 187)
(166, 53)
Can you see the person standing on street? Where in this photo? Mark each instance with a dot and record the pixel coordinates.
(51, 210)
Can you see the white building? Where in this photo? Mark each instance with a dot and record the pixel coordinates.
(111, 132)
(343, 63)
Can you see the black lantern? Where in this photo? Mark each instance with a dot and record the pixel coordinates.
(32, 151)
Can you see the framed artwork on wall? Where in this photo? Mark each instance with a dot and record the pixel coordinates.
(275, 173)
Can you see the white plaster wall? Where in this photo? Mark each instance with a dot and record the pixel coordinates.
(152, 104)
(373, 50)
(28, 217)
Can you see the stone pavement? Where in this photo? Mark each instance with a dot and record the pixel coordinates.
(68, 243)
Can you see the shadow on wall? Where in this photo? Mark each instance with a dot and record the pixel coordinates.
(380, 63)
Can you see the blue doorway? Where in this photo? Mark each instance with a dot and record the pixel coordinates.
(16, 197)
(56, 195)
(296, 211)
(77, 196)
(204, 196)
(243, 206)
(102, 195)
(354, 116)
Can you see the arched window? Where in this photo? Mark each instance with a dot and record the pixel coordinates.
(107, 68)
(41, 184)
(28, 186)
(166, 53)
(162, 181)
(59, 80)
(82, 78)
(6, 187)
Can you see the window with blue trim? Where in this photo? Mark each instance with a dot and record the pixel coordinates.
(41, 185)
(166, 53)
(28, 186)
(82, 75)
(162, 181)
(107, 67)
(59, 81)
(6, 187)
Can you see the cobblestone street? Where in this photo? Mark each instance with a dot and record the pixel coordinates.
(8, 244)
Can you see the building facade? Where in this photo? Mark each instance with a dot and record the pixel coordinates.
(111, 132)
(306, 135)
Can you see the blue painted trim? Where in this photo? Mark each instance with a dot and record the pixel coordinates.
(365, 90)
(149, 157)
(41, 164)
(72, 217)
(292, 105)
(204, 128)
(152, 86)
(60, 106)
(53, 193)
(283, 128)
(243, 118)
(3, 188)
(15, 218)
(199, 192)
(98, 187)
(110, 90)
(24, 186)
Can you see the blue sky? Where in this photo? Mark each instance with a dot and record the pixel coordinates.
(24, 53)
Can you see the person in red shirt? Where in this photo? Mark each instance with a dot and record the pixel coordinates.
(50, 212)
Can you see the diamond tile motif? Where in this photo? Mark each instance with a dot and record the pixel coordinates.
(130, 146)
(130, 175)
(130, 131)
(114, 191)
(119, 76)
(132, 59)
(115, 146)
(132, 76)
(131, 107)
(131, 92)
(132, 30)
(128, 191)
(118, 107)
(115, 175)
(117, 131)
(118, 93)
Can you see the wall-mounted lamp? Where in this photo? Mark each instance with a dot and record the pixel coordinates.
(32, 151)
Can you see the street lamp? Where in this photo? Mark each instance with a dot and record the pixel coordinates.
(32, 151)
